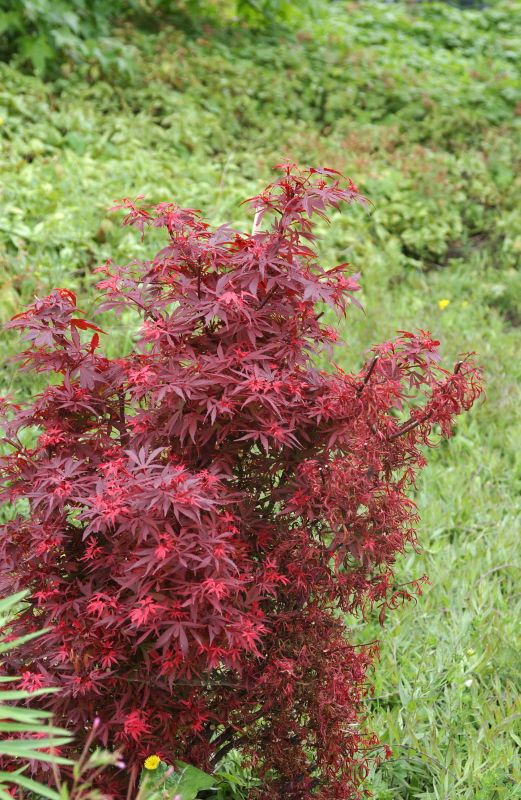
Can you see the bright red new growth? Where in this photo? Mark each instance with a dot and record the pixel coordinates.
(196, 516)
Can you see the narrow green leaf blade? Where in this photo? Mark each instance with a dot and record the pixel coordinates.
(28, 783)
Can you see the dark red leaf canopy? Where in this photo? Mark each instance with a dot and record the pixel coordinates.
(202, 510)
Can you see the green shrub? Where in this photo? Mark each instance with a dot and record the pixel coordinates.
(43, 34)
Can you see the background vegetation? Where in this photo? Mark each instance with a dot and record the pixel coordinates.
(420, 103)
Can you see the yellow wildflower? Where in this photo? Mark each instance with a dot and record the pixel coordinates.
(152, 762)
(443, 303)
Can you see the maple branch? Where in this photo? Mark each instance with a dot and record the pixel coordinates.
(368, 375)
(268, 297)
(225, 749)
(123, 432)
(200, 684)
(256, 221)
(410, 425)
(225, 741)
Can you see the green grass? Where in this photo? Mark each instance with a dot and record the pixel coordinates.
(447, 686)
(421, 105)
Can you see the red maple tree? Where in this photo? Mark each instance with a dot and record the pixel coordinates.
(197, 516)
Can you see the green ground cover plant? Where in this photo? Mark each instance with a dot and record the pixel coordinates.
(421, 105)
(40, 36)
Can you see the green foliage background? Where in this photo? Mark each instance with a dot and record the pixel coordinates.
(420, 103)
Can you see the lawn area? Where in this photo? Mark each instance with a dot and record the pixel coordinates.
(420, 104)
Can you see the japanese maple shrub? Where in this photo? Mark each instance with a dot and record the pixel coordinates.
(198, 514)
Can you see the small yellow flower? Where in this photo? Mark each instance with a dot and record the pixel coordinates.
(471, 652)
(443, 303)
(152, 762)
